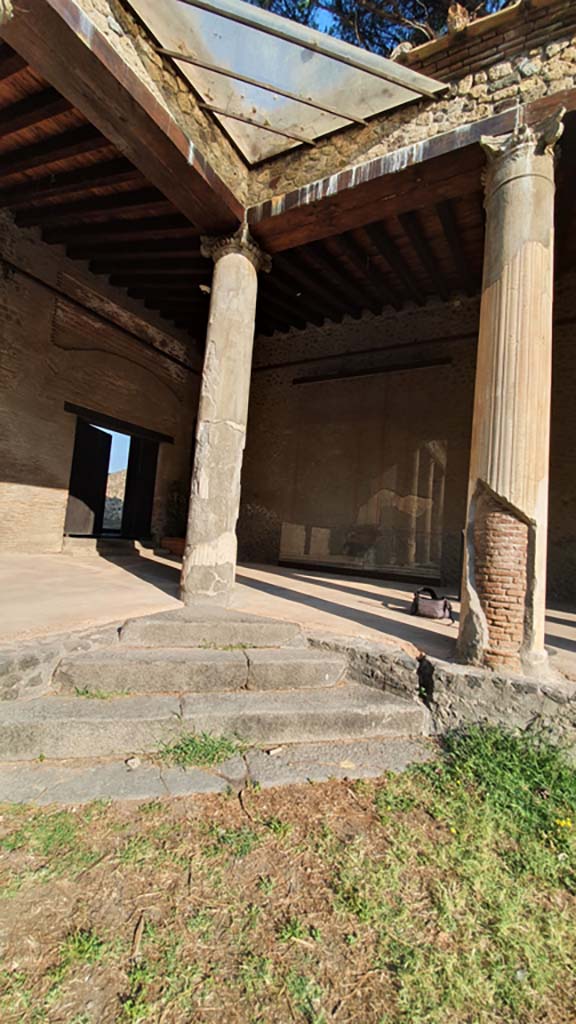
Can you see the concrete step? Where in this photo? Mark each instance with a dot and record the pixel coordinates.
(73, 727)
(121, 669)
(79, 782)
(200, 627)
(118, 547)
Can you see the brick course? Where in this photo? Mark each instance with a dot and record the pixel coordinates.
(500, 574)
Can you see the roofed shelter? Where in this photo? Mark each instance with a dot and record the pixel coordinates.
(223, 231)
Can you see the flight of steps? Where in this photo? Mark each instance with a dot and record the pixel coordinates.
(211, 671)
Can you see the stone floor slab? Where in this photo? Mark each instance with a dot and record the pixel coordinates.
(318, 762)
(72, 784)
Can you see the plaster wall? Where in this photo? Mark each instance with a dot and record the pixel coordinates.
(321, 454)
(54, 350)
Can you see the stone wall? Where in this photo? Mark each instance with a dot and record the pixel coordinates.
(55, 349)
(521, 54)
(295, 431)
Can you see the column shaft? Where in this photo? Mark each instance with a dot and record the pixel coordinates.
(504, 584)
(211, 545)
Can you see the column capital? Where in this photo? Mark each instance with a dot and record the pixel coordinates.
(240, 242)
(526, 150)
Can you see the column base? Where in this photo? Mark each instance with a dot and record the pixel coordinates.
(205, 584)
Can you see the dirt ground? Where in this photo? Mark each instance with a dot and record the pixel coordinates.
(387, 902)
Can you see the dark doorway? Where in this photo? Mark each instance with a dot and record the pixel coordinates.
(88, 480)
(88, 514)
(139, 494)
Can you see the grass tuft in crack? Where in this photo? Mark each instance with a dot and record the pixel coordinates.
(202, 750)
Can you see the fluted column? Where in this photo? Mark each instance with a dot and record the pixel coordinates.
(504, 583)
(210, 556)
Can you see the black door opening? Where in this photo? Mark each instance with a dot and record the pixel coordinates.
(88, 480)
(90, 513)
(139, 494)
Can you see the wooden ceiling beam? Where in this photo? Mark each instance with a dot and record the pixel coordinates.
(376, 239)
(315, 257)
(143, 251)
(282, 310)
(159, 274)
(61, 41)
(105, 175)
(413, 229)
(32, 111)
(76, 142)
(358, 261)
(153, 228)
(294, 296)
(156, 292)
(329, 301)
(447, 217)
(446, 166)
(145, 202)
(11, 63)
(161, 262)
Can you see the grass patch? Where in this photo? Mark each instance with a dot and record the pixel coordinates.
(445, 895)
(88, 694)
(199, 751)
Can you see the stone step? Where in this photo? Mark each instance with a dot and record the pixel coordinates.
(198, 627)
(118, 547)
(73, 727)
(80, 782)
(118, 670)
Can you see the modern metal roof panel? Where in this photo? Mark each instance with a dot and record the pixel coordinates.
(252, 43)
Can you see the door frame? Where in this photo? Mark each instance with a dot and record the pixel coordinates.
(133, 430)
(100, 419)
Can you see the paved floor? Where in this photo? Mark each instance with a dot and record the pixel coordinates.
(44, 594)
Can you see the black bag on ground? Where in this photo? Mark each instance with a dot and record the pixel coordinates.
(427, 604)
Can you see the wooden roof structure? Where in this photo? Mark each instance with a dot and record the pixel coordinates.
(103, 171)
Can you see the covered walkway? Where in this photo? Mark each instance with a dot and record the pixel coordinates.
(46, 594)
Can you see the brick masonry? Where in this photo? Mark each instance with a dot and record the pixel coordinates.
(55, 351)
(500, 571)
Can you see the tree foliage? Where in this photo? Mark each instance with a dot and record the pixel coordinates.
(378, 25)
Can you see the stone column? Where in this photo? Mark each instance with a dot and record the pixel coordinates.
(504, 581)
(210, 555)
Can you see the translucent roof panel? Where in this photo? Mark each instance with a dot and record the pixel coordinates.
(350, 83)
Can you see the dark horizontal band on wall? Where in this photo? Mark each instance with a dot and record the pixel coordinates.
(351, 375)
(99, 419)
(335, 569)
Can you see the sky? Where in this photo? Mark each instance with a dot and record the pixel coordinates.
(119, 450)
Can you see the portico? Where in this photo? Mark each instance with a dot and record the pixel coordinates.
(353, 335)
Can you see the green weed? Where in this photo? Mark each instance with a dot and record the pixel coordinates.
(236, 842)
(306, 995)
(200, 751)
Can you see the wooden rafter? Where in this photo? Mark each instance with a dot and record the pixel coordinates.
(63, 45)
(447, 216)
(376, 239)
(76, 142)
(412, 226)
(71, 183)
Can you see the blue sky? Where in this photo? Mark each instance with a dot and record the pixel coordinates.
(119, 450)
